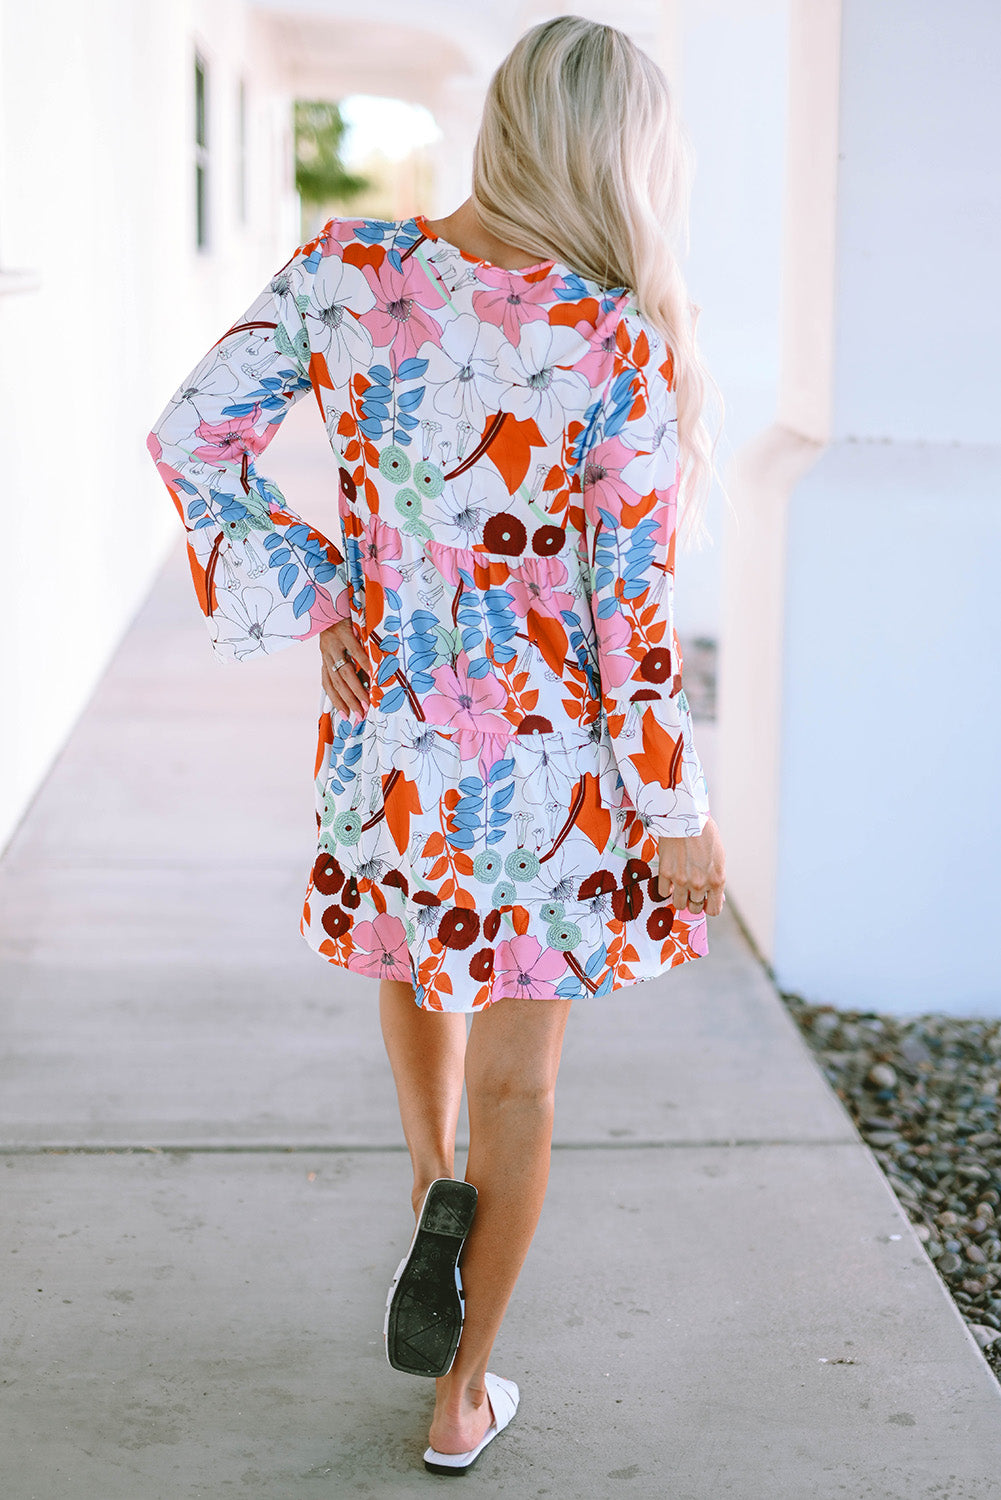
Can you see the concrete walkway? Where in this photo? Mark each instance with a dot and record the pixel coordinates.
(205, 1191)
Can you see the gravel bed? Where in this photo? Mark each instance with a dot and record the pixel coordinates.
(923, 1093)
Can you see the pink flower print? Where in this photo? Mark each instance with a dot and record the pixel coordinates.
(380, 543)
(397, 320)
(381, 948)
(511, 301)
(531, 587)
(698, 936)
(462, 704)
(526, 970)
(614, 633)
(228, 441)
(666, 518)
(597, 363)
(604, 484)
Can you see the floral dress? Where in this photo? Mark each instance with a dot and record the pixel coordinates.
(507, 448)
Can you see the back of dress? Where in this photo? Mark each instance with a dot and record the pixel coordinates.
(507, 449)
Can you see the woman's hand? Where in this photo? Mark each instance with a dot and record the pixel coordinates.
(693, 872)
(345, 684)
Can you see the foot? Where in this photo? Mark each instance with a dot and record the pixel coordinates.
(459, 1425)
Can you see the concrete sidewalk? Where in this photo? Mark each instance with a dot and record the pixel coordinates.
(206, 1192)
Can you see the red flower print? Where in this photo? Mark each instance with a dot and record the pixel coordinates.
(459, 927)
(481, 965)
(335, 922)
(659, 923)
(547, 540)
(328, 877)
(656, 665)
(505, 534)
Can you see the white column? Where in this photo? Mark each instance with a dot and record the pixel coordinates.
(859, 720)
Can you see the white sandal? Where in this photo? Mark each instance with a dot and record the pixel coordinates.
(503, 1397)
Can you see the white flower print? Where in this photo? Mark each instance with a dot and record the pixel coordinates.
(655, 441)
(422, 755)
(552, 769)
(340, 291)
(458, 513)
(464, 370)
(249, 621)
(535, 385)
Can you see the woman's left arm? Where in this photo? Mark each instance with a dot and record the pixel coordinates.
(263, 576)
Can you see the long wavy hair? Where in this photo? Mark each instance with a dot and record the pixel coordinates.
(581, 158)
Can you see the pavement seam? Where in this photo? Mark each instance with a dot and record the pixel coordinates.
(359, 1148)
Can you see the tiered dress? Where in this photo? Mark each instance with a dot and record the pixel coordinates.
(507, 447)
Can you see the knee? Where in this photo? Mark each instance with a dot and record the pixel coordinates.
(509, 1090)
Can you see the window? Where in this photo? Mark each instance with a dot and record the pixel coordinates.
(201, 156)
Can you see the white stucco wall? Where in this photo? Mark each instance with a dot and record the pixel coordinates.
(860, 729)
(96, 199)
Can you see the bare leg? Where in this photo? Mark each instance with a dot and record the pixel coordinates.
(512, 1060)
(426, 1052)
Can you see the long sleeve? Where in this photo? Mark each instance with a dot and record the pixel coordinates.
(263, 576)
(629, 489)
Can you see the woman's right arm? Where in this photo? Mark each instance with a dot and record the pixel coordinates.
(264, 578)
(629, 491)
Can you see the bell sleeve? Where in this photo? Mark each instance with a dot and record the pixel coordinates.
(264, 578)
(629, 489)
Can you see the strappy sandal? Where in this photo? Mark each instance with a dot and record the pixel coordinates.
(425, 1306)
(503, 1397)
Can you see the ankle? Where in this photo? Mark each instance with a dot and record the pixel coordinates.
(422, 1183)
(455, 1394)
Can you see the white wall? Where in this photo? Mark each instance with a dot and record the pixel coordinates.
(860, 725)
(728, 62)
(96, 198)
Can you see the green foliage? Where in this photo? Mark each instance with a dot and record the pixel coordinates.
(320, 174)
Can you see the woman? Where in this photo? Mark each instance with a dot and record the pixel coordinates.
(510, 808)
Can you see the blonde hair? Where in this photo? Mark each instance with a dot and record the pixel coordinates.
(581, 158)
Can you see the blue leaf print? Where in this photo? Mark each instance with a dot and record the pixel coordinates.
(196, 508)
(303, 600)
(393, 700)
(501, 798)
(287, 577)
(409, 399)
(381, 373)
(277, 558)
(596, 962)
(372, 232)
(412, 369)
